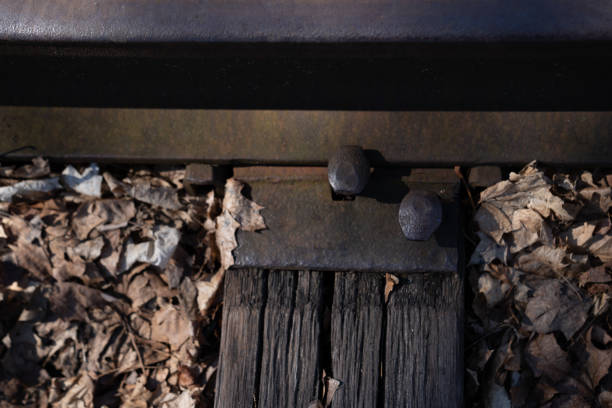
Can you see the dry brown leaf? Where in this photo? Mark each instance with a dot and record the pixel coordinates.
(601, 247)
(186, 376)
(117, 188)
(225, 238)
(492, 221)
(29, 186)
(331, 387)
(64, 270)
(27, 231)
(598, 363)
(135, 394)
(111, 252)
(38, 168)
(243, 210)
(492, 289)
(90, 250)
(529, 189)
(596, 274)
(88, 183)
(546, 358)
(182, 400)
(578, 235)
(156, 252)
(164, 197)
(497, 397)
(544, 260)
(526, 229)
(78, 392)
(487, 251)
(557, 307)
(70, 300)
(144, 287)
(170, 326)
(103, 215)
(600, 197)
(390, 281)
(32, 258)
(207, 290)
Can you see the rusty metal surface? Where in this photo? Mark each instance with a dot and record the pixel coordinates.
(309, 230)
(171, 21)
(309, 137)
(279, 173)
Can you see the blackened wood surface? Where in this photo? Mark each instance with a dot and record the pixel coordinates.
(407, 353)
(290, 369)
(240, 351)
(356, 331)
(424, 343)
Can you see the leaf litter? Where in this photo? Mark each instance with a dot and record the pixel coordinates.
(109, 285)
(539, 330)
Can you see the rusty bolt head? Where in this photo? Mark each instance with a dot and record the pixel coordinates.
(420, 215)
(348, 170)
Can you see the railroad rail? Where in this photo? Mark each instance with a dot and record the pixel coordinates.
(235, 84)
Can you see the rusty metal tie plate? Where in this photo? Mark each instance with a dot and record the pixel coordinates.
(307, 229)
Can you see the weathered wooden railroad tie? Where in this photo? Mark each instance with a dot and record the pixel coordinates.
(307, 297)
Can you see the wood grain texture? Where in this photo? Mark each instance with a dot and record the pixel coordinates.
(424, 342)
(356, 332)
(407, 353)
(240, 350)
(290, 371)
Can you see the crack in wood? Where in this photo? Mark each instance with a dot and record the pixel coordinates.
(282, 329)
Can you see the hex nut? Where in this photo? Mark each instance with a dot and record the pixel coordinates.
(348, 170)
(420, 215)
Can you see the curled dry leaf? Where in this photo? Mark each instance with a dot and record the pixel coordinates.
(71, 325)
(601, 247)
(543, 260)
(29, 186)
(38, 168)
(238, 212)
(90, 250)
(182, 400)
(88, 182)
(331, 387)
(226, 238)
(599, 361)
(542, 268)
(103, 215)
(557, 307)
(171, 326)
(156, 252)
(488, 251)
(546, 358)
(243, 210)
(71, 300)
(164, 197)
(596, 274)
(77, 392)
(390, 281)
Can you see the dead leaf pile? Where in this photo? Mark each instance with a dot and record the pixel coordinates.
(108, 285)
(539, 329)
